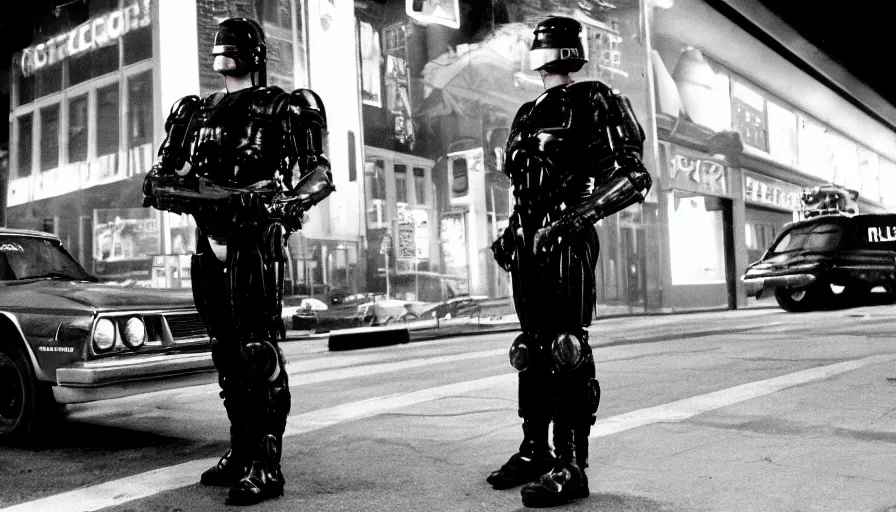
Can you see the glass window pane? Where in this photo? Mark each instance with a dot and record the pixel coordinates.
(419, 185)
(49, 80)
(375, 180)
(49, 137)
(140, 109)
(137, 45)
(107, 120)
(26, 139)
(25, 87)
(77, 129)
(93, 64)
(401, 183)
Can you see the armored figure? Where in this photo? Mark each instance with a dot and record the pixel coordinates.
(574, 157)
(247, 163)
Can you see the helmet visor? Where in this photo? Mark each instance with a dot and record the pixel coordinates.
(539, 57)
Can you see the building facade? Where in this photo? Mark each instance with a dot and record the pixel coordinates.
(419, 104)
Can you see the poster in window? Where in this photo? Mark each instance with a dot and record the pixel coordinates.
(371, 62)
(121, 234)
(399, 100)
(439, 12)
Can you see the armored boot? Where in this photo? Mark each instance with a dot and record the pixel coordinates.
(566, 481)
(532, 461)
(234, 465)
(264, 479)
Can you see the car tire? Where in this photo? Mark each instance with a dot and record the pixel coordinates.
(26, 405)
(796, 301)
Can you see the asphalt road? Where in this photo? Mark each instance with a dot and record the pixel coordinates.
(755, 410)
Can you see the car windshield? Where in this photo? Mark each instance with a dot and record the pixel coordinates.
(28, 257)
(816, 237)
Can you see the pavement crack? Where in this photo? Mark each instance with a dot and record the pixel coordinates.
(446, 415)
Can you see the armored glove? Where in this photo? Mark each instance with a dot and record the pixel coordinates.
(503, 249)
(551, 236)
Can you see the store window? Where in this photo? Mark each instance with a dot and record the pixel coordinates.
(49, 137)
(749, 119)
(401, 184)
(696, 239)
(92, 64)
(107, 120)
(137, 45)
(419, 186)
(77, 129)
(25, 144)
(49, 80)
(140, 109)
(375, 192)
(813, 149)
(782, 138)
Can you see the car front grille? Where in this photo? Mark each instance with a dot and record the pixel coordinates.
(187, 326)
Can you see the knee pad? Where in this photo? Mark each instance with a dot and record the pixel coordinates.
(262, 359)
(568, 351)
(520, 351)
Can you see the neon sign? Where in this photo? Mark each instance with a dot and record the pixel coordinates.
(96, 33)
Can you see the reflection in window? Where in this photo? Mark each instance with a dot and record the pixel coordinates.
(401, 183)
(107, 120)
(49, 137)
(24, 146)
(25, 87)
(77, 129)
(140, 109)
(419, 186)
(696, 241)
(92, 64)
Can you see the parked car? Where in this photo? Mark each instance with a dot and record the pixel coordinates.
(455, 307)
(827, 258)
(300, 313)
(67, 338)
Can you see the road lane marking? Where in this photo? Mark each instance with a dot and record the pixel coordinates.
(150, 483)
(314, 371)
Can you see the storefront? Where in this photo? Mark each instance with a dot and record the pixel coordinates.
(89, 104)
(769, 205)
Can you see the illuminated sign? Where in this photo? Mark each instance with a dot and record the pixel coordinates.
(697, 173)
(771, 192)
(439, 12)
(91, 34)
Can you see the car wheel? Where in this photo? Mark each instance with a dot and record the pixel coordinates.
(795, 301)
(26, 405)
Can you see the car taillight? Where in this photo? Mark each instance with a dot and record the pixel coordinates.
(104, 335)
(134, 332)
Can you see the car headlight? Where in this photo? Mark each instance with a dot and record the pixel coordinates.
(134, 332)
(104, 334)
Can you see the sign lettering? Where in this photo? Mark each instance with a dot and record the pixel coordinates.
(771, 192)
(699, 174)
(882, 234)
(87, 36)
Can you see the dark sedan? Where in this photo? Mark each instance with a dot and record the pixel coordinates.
(829, 258)
(67, 338)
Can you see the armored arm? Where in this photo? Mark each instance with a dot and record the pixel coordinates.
(306, 123)
(173, 152)
(615, 156)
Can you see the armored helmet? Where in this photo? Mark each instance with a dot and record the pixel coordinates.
(242, 40)
(557, 47)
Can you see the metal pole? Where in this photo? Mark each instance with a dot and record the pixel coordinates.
(387, 275)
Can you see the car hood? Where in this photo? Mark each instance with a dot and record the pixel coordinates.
(53, 293)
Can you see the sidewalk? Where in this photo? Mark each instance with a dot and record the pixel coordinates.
(444, 328)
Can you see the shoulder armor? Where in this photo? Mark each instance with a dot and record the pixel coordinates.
(269, 100)
(182, 110)
(308, 107)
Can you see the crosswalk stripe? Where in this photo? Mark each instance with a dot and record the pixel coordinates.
(160, 480)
